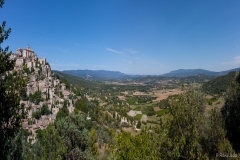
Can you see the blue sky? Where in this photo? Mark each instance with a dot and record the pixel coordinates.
(131, 36)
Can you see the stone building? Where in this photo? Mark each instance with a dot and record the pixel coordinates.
(20, 61)
(27, 53)
(42, 61)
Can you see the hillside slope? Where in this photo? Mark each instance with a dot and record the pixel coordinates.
(95, 74)
(219, 84)
(78, 81)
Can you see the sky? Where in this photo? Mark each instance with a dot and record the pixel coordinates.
(131, 36)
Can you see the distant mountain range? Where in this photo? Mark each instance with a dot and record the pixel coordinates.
(107, 75)
(195, 72)
(95, 74)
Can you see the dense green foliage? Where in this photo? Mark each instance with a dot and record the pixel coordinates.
(67, 139)
(63, 112)
(231, 113)
(43, 111)
(36, 97)
(81, 104)
(143, 146)
(218, 84)
(49, 145)
(150, 111)
(190, 129)
(73, 130)
(164, 103)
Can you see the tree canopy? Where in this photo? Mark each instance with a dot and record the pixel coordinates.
(231, 113)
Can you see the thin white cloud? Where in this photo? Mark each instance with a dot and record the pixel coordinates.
(112, 50)
(235, 61)
(130, 62)
(132, 51)
(79, 45)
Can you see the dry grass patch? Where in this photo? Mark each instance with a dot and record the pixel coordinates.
(156, 109)
(122, 98)
(160, 94)
(131, 130)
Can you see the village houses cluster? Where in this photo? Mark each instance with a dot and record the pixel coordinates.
(40, 78)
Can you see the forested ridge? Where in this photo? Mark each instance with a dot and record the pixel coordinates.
(219, 84)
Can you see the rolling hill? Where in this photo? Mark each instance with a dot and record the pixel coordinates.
(218, 84)
(195, 72)
(78, 81)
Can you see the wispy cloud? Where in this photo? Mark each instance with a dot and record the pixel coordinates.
(79, 45)
(235, 61)
(130, 62)
(132, 51)
(112, 50)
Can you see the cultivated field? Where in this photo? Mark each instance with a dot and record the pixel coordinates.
(164, 94)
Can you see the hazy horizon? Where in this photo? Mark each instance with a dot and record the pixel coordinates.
(145, 74)
(133, 37)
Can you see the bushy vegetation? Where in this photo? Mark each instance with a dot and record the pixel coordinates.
(81, 104)
(43, 111)
(164, 103)
(36, 97)
(231, 113)
(67, 139)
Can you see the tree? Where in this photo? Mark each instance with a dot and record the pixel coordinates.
(10, 87)
(81, 104)
(19, 146)
(45, 110)
(183, 135)
(231, 113)
(142, 146)
(49, 145)
(63, 112)
(93, 141)
(139, 124)
(73, 130)
(191, 132)
(36, 97)
(214, 137)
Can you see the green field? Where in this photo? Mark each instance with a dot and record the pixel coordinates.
(210, 100)
(162, 112)
(138, 108)
(138, 117)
